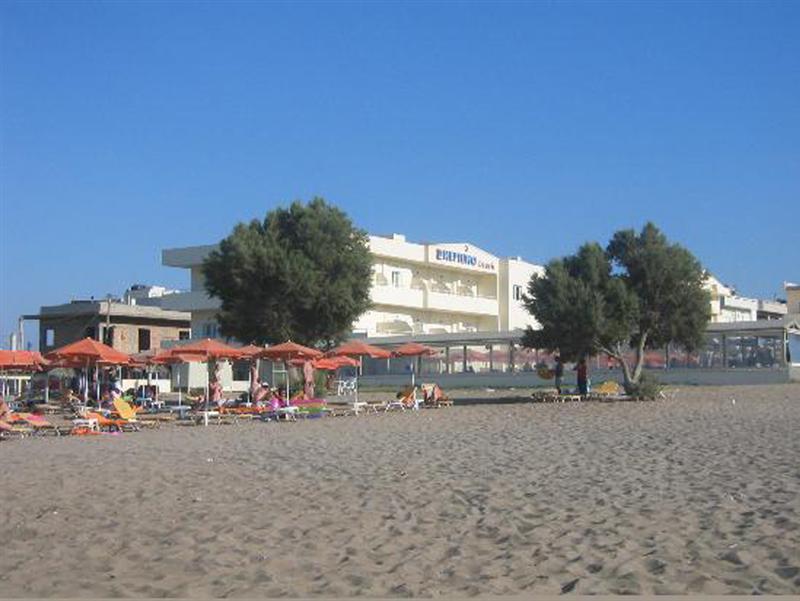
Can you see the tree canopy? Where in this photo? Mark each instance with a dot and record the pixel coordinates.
(641, 292)
(302, 274)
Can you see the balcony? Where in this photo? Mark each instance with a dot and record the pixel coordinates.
(456, 303)
(415, 298)
(196, 300)
(398, 297)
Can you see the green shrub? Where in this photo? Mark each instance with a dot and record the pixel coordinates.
(649, 388)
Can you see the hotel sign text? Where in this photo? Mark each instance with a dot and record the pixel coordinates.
(465, 259)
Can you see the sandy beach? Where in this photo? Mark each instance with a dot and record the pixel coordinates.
(696, 494)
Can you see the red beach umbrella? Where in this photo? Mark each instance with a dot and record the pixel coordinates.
(90, 350)
(288, 351)
(250, 351)
(205, 350)
(334, 363)
(21, 360)
(413, 349)
(358, 348)
(89, 353)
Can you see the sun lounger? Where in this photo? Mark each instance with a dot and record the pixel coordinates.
(14, 430)
(131, 415)
(552, 396)
(311, 408)
(38, 424)
(434, 396)
(108, 423)
(407, 399)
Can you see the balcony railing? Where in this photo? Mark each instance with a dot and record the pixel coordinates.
(415, 298)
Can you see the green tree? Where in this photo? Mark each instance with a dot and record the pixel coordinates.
(301, 274)
(641, 292)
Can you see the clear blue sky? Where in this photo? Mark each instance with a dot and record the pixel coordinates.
(526, 129)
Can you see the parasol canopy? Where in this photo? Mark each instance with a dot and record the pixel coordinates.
(413, 349)
(334, 363)
(250, 351)
(286, 351)
(205, 350)
(21, 361)
(326, 363)
(90, 351)
(358, 348)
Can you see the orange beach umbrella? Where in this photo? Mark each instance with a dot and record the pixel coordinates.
(205, 350)
(89, 353)
(358, 348)
(16, 361)
(21, 360)
(288, 351)
(413, 349)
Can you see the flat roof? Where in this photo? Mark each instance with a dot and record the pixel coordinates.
(762, 327)
(186, 256)
(117, 310)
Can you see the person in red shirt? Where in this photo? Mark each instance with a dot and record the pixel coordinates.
(582, 370)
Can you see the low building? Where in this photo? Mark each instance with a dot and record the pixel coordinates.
(729, 307)
(129, 328)
(792, 298)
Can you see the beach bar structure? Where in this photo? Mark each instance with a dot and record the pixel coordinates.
(752, 352)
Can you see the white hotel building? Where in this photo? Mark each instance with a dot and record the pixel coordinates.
(417, 289)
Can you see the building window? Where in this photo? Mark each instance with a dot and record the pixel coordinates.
(89, 332)
(396, 279)
(108, 335)
(183, 335)
(144, 339)
(241, 371)
(49, 337)
(517, 292)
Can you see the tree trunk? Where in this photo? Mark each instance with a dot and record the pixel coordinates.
(637, 370)
(628, 384)
(630, 378)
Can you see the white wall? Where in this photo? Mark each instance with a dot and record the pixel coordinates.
(515, 272)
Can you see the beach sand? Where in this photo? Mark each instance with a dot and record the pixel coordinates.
(695, 494)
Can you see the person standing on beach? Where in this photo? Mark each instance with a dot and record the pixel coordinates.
(583, 377)
(559, 373)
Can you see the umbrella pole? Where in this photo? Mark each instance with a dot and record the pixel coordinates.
(286, 369)
(358, 373)
(250, 389)
(46, 386)
(208, 390)
(180, 402)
